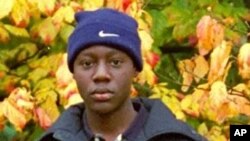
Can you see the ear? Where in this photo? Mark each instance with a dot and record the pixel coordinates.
(136, 73)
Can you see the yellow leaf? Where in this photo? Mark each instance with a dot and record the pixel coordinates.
(242, 104)
(146, 41)
(47, 100)
(216, 134)
(20, 13)
(219, 61)
(218, 94)
(63, 14)
(22, 99)
(244, 61)
(17, 118)
(194, 104)
(241, 89)
(63, 71)
(5, 8)
(21, 32)
(47, 7)
(92, 4)
(46, 30)
(69, 16)
(146, 76)
(203, 129)
(186, 103)
(201, 68)
(73, 99)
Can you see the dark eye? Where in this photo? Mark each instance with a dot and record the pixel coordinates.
(87, 64)
(116, 62)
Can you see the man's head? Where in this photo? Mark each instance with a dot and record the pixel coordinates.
(105, 27)
(104, 56)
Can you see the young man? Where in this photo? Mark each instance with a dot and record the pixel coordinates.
(104, 56)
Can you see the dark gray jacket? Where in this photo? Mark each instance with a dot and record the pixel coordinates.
(161, 125)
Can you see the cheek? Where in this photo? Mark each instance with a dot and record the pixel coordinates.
(82, 83)
(124, 80)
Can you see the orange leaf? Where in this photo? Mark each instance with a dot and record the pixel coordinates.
(114, 4)
(4, 35)
(2, 117)
(43, 118)
(209, 33)
(201, 68)
(186, 68)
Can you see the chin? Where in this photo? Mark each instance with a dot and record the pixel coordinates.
(102, 109)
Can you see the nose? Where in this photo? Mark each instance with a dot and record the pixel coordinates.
(101, 73)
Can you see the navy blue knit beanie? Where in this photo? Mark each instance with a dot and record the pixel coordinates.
(105, 27)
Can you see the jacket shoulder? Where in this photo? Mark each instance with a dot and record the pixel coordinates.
(68, 123)
(162, 125)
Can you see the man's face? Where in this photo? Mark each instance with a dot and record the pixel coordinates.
(104, 76)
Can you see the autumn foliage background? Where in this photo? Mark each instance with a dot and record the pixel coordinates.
(196, 60)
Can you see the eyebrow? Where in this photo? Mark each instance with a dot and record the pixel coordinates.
(109, 53)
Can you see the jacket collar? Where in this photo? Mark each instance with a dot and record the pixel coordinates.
(160, 121)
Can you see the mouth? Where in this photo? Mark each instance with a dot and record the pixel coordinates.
(102, 95)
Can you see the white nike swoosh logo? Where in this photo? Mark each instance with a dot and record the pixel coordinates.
(102, 34)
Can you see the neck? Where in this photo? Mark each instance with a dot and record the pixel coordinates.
(110, 125)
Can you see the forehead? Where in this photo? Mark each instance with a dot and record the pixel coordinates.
(102, 50)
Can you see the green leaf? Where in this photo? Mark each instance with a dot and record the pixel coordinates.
(17, 31)
(22, 70)
(65, 32)
(25, 51)
(204, 3)
(182, 31)
(156, 3)
(240, 119)
(167, 71)
(3, 67)
(8, 133)
(37, 74)
(45, 84)
(159, 26)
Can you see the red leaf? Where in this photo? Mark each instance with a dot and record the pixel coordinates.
(125, 4)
